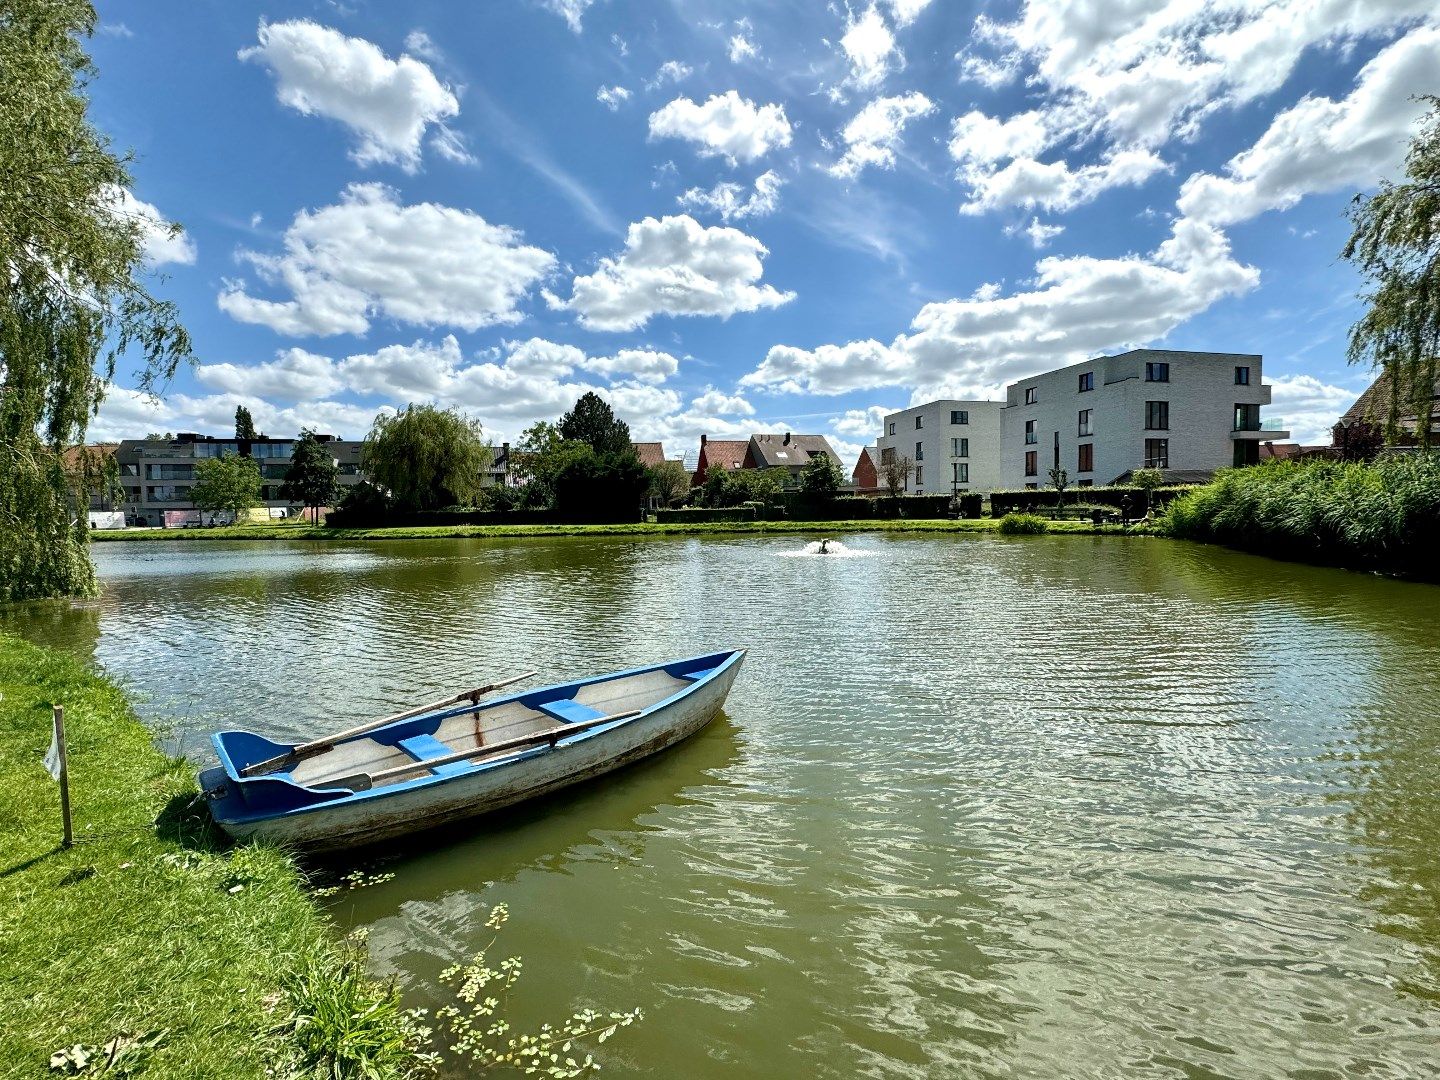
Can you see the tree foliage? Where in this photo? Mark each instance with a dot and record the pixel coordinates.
(71, 296)
(1395, 243)
(821, 478)
(244, 423)
(669, 482)
(1359, 440)
(1059, 480)
(731, 487)
(313, 479)
(593, 422)
(227, 483)
(895, 472)
(427, 458)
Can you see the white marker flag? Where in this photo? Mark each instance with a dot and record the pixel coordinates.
(52, 756)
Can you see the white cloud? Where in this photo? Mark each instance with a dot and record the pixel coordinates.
(671, 71)
(294, 375)
(368, 256)
(742, 48)
(128, 414)
(612, 97)
(1323, 145)
(716, 402)
(1308, 407)
(904, 12)
(1055, 186)
(862, 423)
(1037, 232)
(978, 139)
(726, 125)
(161, 242)
(673, 266)
(572, 11)
(730, 200)
(387, 103)
(641, 365)
(874, 133)
(1078, 306)
(870, 47)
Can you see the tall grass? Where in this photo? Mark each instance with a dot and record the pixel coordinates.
(1383, 515)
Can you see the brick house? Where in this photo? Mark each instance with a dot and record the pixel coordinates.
(866, 477)
(726, 453)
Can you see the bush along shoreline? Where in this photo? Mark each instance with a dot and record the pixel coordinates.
(150, 944)
(1381, 516)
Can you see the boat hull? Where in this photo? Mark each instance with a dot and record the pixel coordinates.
(351, 823)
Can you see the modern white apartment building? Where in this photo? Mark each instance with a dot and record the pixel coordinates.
(955, 446)
(1182, 412)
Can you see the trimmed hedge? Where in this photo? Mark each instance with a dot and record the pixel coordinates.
(702, 514)
(1040, 499)
(1023, 525)
(350, 519)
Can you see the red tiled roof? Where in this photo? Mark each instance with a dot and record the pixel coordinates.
(649, 453)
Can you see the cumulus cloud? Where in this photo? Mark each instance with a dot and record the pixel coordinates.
(162, 241)
(370, 256)
(640, 365)
(726, 125)
(872, 136)
(673, 266)
(870, 47)
(716, 402)
(1055, 186)
(387, 103)
(671, 71)
(1078, 306)
(861, 423)
(128, 414)
(904, 12)
(1036, 231)
(1322, 144)
(294, 375)
(612, 97)
(731, 201)
(742, 48)
(1308, 407)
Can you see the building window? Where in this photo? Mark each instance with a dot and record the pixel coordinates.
(959, 447)
(1087, 425)
(1084, 483)
(1032, 395)
(960, 472)
(1247, 417)
(1087, 381)
(959, 416)
(1032, 487)
(1157, 372)
(1157, 453)
(1030, 436)
(892, 428)
(1086, 462)
(1032, 465)
(919, 476)
(1242, 376)
(887, 455)
(919, 422)
(919, 451)
(1157, 416)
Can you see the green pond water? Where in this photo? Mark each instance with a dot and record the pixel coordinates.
(1049, 807)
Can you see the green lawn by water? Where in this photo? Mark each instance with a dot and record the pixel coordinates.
(139, 930)
(302, 531)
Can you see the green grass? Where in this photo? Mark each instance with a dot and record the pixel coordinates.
(1024, 525)
(307, 532)
(142, 930)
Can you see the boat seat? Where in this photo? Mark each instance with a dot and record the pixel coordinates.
(426, 748)
(570, 711)
(696, 676)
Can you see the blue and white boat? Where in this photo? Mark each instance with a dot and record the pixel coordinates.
(459, 757)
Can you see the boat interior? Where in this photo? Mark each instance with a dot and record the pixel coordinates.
(438, 735)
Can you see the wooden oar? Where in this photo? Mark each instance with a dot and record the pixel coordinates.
(319, 746)
(366, 781)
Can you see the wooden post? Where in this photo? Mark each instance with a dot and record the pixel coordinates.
(64, 775)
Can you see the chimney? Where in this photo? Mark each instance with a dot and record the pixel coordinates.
(702, 438)
(787, 439)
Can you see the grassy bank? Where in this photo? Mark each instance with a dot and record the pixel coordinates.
(1382, 515)
(157, 935)
(722, 528)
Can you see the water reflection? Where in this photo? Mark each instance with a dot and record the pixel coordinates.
(1060, 806)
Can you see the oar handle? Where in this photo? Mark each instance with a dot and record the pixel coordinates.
(318, 746)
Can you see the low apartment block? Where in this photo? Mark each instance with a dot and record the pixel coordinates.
(157, 474)
(953, 445)
(1186, 413)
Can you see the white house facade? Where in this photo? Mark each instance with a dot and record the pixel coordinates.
(1181, 412)
(954, 445)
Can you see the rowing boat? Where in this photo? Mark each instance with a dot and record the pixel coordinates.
(458, 757)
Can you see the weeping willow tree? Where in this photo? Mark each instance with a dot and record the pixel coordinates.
(72, 301)
(1396, 245)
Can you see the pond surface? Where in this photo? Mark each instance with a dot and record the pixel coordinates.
(1043, 807)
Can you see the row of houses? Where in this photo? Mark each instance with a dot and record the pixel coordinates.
(1184, 413)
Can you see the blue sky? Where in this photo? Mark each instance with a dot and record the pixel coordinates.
(731, 217)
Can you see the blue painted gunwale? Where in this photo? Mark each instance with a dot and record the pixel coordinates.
(275, 795)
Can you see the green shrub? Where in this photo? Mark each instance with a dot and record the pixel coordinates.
(1023, 525)
(1381, 515)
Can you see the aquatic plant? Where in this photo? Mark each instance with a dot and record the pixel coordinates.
(1023, 525)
